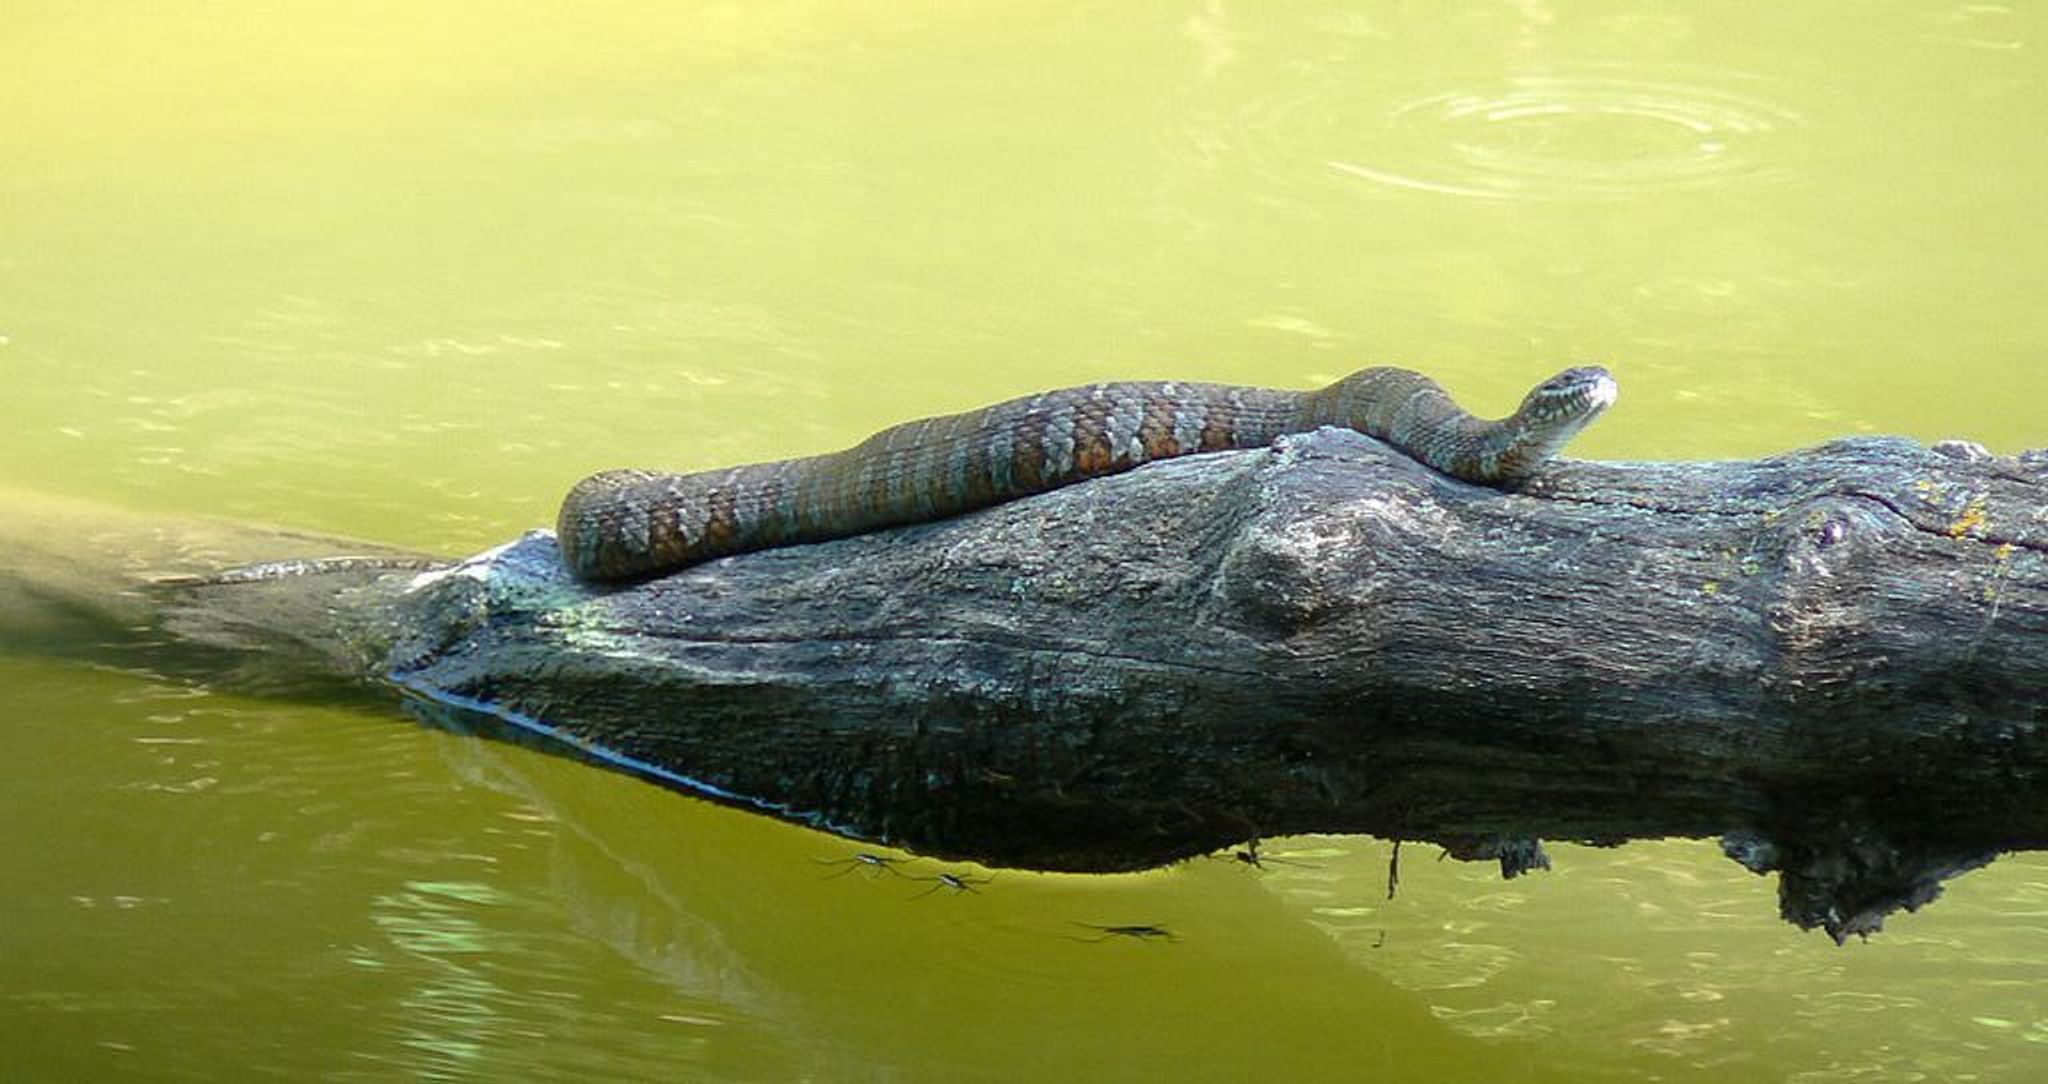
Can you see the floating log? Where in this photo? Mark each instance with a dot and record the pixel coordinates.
(1836, 660)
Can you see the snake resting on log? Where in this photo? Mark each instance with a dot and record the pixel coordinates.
(631, 524)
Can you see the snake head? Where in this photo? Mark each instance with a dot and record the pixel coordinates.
(1550, 416)
(1573, 397)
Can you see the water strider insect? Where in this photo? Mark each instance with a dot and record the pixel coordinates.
(953, 881)
(1251, 856)
(877, 863)
(1142, 932)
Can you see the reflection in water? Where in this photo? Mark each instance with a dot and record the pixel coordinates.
(1567, 137)
(737, 910)
(451, 1018)
(875, 979)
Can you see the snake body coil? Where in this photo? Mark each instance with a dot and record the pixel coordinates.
(627, 524)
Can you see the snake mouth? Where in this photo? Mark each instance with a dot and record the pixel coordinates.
(1580, 393)
(1603, 392)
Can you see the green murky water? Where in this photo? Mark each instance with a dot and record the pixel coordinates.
(404, 272)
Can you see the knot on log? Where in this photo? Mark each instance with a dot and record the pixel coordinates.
(1826, 558)
(1284, 571)
(1969, 451)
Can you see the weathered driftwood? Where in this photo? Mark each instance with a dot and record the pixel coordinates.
(1836, 659)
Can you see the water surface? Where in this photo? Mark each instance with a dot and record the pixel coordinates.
(405, 275)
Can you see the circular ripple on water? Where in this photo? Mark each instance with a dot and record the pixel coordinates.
(1551, 137)
(1542, 137)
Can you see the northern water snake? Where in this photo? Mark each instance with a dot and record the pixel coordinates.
(627, 524)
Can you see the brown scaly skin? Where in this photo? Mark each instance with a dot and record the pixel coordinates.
(630, 524)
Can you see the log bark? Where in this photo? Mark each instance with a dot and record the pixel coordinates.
(1836, 660)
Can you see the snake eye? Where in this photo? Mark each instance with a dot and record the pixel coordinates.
(1580, 380)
